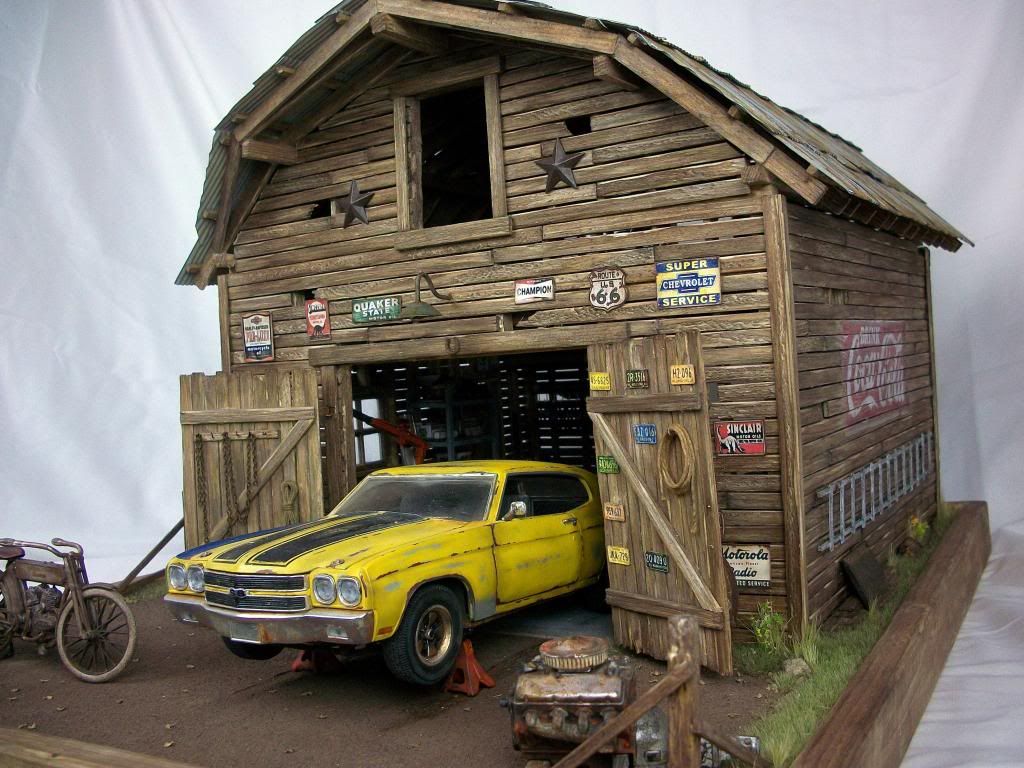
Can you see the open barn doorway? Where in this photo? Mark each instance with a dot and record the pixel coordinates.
(530, 406)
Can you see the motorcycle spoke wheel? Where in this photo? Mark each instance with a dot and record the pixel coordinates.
(98, 648)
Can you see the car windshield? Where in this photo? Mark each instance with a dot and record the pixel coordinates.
(456, 497)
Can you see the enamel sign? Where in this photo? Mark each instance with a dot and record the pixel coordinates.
(318, 319)
(752, 564)
(688, 283)
(740, 438)
(656, 561)
(258, 338)
(535, 289)
(607, 465)
(638, 378)
(618, 555)
(645, 434)
(376, 310)
(607, 288)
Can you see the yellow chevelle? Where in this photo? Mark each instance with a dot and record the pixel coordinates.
(409, 559)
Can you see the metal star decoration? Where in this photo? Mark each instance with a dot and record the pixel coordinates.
(354, 205)
(559, 167)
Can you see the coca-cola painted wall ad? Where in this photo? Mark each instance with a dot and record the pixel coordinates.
(873, 368)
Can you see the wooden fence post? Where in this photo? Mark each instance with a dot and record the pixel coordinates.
(681, 706)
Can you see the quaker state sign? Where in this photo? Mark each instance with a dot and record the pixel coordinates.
(607, 288)
(688, 283)
(376, 310)
(258, 338)
(318, 319)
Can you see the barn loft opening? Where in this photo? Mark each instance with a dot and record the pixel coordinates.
(578, 125)
(456, 171)
(513, 407)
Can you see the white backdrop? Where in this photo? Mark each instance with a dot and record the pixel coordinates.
(106, 111)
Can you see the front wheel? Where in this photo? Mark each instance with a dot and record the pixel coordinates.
(6, 628)
(423, 649)
(97, 647)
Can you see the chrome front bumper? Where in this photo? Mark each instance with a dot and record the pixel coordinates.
(266, 627)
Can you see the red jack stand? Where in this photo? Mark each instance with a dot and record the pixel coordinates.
(315, 660)
(468, 675)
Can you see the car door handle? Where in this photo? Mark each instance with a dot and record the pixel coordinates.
(569, 521)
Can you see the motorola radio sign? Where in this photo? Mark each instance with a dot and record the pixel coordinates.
(751, 564)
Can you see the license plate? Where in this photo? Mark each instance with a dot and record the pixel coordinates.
(245, 633)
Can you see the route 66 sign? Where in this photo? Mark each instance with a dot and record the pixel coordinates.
(607, 288)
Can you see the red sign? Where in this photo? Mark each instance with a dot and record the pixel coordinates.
(318, 319)
(873, 368)
(739, 438)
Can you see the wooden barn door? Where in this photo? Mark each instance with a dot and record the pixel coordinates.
(657, 483)
(251, 452)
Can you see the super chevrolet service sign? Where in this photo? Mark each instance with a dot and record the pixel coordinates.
(688, 283)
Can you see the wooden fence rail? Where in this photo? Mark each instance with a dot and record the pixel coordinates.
(680, 687)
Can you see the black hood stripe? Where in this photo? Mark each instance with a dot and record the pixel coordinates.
(284, 553)
(235, 554)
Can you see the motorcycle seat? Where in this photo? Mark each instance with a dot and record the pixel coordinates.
(11, 553)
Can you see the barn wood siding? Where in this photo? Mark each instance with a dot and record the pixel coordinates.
(844, 271)
(654, 184)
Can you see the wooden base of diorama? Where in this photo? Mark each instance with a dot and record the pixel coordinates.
(870, 726)
(872, 723)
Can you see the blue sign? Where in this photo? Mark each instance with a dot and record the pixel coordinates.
(645, 434)
(688, 282)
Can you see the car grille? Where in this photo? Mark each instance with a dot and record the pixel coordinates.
(257, 602)
(255, 581)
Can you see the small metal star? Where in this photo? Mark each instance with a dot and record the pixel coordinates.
(354, 205)
(559, 167)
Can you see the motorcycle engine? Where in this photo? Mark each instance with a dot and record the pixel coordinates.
(43, 603)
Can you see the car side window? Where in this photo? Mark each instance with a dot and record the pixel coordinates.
(545, 494)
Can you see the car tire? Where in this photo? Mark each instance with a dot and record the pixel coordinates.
(423, 649)
(251, 651)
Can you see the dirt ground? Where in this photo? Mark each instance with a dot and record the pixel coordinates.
(185, 697)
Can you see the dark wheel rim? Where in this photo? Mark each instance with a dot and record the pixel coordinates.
(99, 649)
(435, 633)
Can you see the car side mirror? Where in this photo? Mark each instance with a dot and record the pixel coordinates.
(517, 508)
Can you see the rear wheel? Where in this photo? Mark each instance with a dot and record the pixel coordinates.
(423, 649)
(252, 651)
(6, 628)
(97, 647)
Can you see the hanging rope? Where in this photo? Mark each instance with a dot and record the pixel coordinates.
(678, 483)
(201, 494)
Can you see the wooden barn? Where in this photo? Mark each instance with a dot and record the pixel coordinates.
(527, 234)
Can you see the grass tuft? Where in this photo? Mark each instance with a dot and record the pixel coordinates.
(833, 656)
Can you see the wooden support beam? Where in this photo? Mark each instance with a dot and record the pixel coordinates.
(521, 28)
(278, 152)
(409, 35)
(282, 70)
(699, 104)
(312, 66)
(214, 262)
(607, 69)
(511, 10)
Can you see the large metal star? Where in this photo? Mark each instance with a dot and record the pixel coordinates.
(354, 205)
(559, 167)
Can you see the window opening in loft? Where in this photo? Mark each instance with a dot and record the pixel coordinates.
(321, 209)
(456, 172)
(578, 125)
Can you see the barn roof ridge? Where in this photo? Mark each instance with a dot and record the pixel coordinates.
(845, 182)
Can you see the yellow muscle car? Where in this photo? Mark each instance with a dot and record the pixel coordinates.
(409, 559)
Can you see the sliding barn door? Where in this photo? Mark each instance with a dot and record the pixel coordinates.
(251, 452)
(662, 530)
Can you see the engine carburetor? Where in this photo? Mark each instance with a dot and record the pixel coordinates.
(568, 691)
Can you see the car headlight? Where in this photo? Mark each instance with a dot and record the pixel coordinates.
(323, 589)
(196, 578)
(176, 577)
(349, 591)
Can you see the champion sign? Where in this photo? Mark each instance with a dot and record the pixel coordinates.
(535, 289)
(873, 369)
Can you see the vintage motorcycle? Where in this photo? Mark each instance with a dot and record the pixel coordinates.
(91, 624)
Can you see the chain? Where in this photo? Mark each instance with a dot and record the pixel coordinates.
(231, 502)
(200, 466)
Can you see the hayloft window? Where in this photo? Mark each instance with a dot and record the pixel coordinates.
(449, 158)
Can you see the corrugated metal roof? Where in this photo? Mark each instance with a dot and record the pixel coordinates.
(836, 159)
